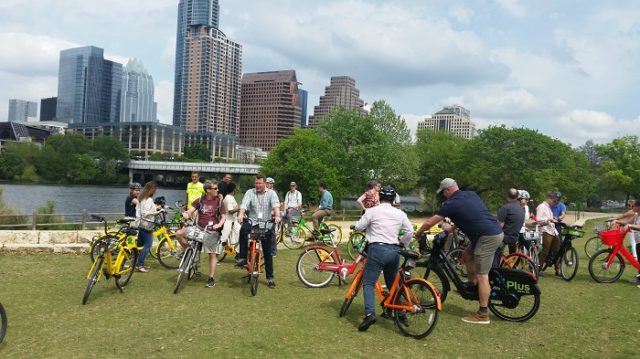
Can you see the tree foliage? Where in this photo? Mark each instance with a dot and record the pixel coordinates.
(197, 153)
(621, 165)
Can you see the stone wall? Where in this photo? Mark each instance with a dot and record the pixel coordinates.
(46, 241)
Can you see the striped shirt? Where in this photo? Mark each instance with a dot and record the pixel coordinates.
(259, 205)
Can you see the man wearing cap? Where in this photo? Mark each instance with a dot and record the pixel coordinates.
(292, 202)
(468, 212)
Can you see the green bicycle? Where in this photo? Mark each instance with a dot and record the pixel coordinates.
(295, 236)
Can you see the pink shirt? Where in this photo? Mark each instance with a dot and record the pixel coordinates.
(544, 214)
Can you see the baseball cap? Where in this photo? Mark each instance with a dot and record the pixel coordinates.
(292, 184)
(270, 180)
(446, 183)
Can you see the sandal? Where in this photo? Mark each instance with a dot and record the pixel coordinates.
(142, 269)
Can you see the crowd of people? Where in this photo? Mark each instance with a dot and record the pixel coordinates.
(212, 204)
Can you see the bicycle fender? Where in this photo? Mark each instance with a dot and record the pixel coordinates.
(514, 281)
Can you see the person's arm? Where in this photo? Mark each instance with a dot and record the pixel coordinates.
(502, 216)
(408, 231)
(363, 222)
(222, 219)
(360, 200)
(246, 201)
(135, 201)
(629, 213)
(428, 223)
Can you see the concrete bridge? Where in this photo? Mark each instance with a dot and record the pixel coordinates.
(165, 171)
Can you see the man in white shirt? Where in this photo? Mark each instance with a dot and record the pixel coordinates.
(292, 202)
(550, 237)
(382, 224)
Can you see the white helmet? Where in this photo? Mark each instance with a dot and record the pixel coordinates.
(522, 194)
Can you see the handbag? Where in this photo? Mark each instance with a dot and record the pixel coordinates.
(146, 224)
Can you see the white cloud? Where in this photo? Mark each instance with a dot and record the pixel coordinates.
(31, 55)
(498, 101)
(513, 7)
(461, 13)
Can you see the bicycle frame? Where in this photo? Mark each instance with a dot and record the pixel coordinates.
(254, 245)
(106, 254)
(621, 248)
(333, 261)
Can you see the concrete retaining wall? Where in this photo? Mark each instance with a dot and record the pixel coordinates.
(46, 241)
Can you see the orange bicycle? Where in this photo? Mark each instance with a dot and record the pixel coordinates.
(255, 257)
(413, 301)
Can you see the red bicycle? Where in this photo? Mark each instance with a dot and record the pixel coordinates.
(317, 265)
(607, 265)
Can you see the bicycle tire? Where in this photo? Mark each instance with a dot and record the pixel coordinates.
(255, 273)
(93, 278)
(569, 264)
(502, 312)
(337, 234)
(183, 269)
(296, 239)
(439, 280)
(306, 267)
(167, 256)
(92, 246)
(131, 259)
(593, 245)
(3, 323)
(355, 244)
(597, 269)
(521, 262)
(456, 258)
(352, 292)
(422, 320)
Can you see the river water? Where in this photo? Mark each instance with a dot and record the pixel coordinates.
(99, 199)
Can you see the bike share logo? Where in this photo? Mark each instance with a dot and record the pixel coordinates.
(518, 287)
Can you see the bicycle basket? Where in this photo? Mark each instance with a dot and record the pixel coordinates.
(612, 237)
(573, 232)
(532, 236)
(257, 232)
(195, 234)
(295, 215)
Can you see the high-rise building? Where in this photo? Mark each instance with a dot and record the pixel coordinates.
(211, 86)
(453, 119)
(270, 108)
(89, 87)
(21, 110)
(208, 71)
(341, 92)
(137, 94)
(303, 95)
(48, 108)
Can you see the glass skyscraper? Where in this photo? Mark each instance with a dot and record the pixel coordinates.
(137, 94)
(190, 12)
(89, 87)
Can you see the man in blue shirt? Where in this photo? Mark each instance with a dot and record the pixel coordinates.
(324, 209)
(468, 212)
(559, 210)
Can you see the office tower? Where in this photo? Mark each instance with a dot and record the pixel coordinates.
(89, 87)
(137, 94)
(302, 96)
(453, 119)
(48, 108)
(21, 110)
(270, 108)
(341, 92)
(190, 12)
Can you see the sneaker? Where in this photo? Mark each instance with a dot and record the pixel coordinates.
(241, 263)
(211, 283)
(477, 318)
(366, 322)
(635, 280)
(142, 269)
(271, 283)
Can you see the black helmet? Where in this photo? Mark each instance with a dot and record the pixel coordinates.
(387, 193)
(160, 201)
(558, 195)
(135, 185)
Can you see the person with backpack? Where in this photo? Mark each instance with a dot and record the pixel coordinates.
(209, 207)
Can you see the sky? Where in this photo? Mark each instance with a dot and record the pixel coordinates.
(565, 68)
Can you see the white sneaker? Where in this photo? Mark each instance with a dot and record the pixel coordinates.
(635, 280)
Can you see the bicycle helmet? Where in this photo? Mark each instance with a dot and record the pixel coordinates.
(387, 193)
(135, 185)
(522, 194)
(270, 180)
(558, 195)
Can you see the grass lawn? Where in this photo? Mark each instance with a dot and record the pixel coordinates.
(42, 295)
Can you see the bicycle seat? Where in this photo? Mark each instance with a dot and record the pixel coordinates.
(125, 220)
(409, 254)
(327, 230)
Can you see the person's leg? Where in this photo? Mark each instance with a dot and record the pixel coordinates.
(266, 251)
(483, 254)
(226, 231)
(632, 244)
(235, 233)
(145, 239)
(244, 239)
(181, 237)
(555, 247)
(469, 262)
(212, 247)
(372, 269)
(391, 262)
(315, 217)
(546, 246)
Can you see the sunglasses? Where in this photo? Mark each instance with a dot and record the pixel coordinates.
(216, 188)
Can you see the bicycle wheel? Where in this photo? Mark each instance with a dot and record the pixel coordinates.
(569, 264)
(184, 268)
(307, 267)
(421, 320)
(295, 239)
(521, 262)
(439, 280)
(168, 252)
(524, 309)
(3, 323)
(598, 266)
(125, 272)
(592, 245)
(255, 273)
(456, 258)
(337, 234)
(355, 244)
(352, 292)
(93, 278)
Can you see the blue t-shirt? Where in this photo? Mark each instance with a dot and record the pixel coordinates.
(468, 212)
(558, 209)
(326, 201)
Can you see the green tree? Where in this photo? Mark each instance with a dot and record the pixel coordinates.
(621, 165)
(197, 153)
(15, 158)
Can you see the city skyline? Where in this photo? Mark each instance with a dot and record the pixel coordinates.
(564, 69)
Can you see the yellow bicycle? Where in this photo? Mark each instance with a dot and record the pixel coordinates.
(119, 265)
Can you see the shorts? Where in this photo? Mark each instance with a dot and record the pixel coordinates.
(211, 243)
(484, 251)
